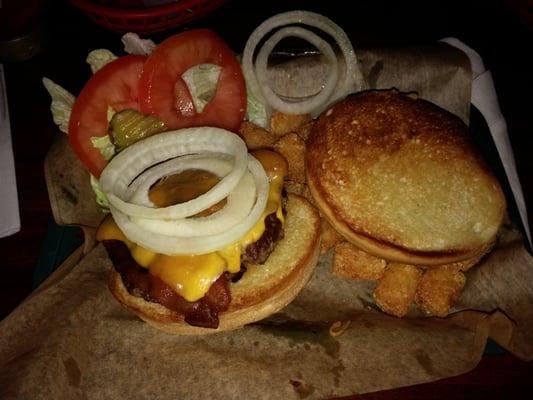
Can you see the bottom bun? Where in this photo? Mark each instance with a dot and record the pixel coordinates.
(262, 290)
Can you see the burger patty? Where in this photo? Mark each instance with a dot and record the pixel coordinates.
(204, 312)
(258, 252)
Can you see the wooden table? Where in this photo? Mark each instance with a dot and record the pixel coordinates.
(496, 30)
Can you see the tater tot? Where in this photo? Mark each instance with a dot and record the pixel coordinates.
(330, 237)
(350, 262)
(292, 147)
(294, 187)
(439, 289)
(255, 136)
(396, 289)
(307, 194)
(281, 124)
(305, 129)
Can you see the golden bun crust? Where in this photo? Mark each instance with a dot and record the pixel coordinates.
(399, 178)
(263, 289)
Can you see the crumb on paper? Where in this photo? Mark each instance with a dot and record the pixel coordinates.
(338, 328)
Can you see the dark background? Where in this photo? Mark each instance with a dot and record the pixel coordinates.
(501, 31)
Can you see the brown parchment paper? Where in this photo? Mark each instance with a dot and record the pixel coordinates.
(438, 73)
(71, 339)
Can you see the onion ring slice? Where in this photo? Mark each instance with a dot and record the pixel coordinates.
(132, 161)
(352, 79)
(307, 105)
(239, 201)
(172, 245)
(138, 190)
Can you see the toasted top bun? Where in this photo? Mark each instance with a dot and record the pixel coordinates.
(400, 179)
(262, 290)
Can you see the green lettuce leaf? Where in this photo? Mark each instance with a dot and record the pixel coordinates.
(104, 145)
(201, 80)
(133, 44)
(98, 58)
(256, 111)
(101, 198)
(61, 106)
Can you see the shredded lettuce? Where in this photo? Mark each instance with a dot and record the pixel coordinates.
(61, 107)
(133, 44)
(98, 58)
(101, 198)
(104, 145)
(108, 151)
(201, 80)
(62, 102)
(256, 110)
(110, 113)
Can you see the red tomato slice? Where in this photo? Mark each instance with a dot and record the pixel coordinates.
(163, 92)
(115, 85)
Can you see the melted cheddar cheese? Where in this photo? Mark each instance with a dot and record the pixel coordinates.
(190, 275)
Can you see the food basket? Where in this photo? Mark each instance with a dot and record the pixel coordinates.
(119, 17)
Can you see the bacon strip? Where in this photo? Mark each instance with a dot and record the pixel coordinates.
(140, 282)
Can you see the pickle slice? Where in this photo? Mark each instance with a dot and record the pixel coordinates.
(129, 126)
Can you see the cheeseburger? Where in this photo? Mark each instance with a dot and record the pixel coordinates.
(201, 234)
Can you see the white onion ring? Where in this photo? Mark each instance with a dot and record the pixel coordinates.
(238, 206)
(138, 190)
(128, 164)
(171, 245)
(128, 178)
(352, 79)
(303, 106)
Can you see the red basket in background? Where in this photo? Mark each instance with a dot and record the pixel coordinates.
(131, 16)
